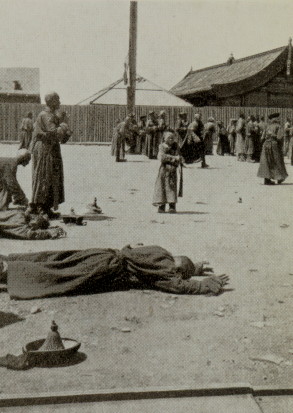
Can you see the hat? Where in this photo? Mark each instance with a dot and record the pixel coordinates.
(181, 114)
(151, 112)
(274, 115)
(142, 116)
(211, 119)
(162, 113)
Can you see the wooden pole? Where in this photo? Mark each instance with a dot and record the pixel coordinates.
(132, 57)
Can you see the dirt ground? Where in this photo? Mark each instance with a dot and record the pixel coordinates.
(149, 338)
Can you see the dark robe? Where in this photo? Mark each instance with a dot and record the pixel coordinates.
(120, 133)
(192, 148)
(152, 139)
(48, 180)
(232, 138)
(209, 130)
(53, 273)
(166, 182)
(9, 186)
(26, 132)
(272, 164)
(141, 137)
(223, 146)
(162, 127)
(181, 129)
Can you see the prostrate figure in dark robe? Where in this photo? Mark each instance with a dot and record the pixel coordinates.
(166, 182)
(240, 139)
(209, 132)
(181, 127)
(48, 180)
(272, 164)
(18, 224)
(223, 147)
(152, 136)
(53, 273)
(10, 189)
(26, 131)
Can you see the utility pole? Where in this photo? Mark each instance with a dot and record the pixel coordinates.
(132, 57)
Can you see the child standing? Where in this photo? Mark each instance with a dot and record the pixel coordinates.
(166, 183)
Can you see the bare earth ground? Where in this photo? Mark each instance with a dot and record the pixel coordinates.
(148, 338)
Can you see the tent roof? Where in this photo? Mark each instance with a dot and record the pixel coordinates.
(238, 77)
(147, 94)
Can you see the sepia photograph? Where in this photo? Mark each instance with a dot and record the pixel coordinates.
(146, 193)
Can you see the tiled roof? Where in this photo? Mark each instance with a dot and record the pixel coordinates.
(260, 66)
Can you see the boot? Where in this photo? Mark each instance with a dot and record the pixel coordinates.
(249, 159)
(204, 165)
(161, 209)
(172, 208)
(268, 182)
(280, 181)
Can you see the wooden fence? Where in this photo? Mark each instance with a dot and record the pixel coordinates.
(94, 123)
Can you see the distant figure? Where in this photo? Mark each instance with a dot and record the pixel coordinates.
(272, 164)
(132, 134)
(232, 136)
(181, 127)
(152, 136)
(48, 180)
(162, 126)
(240, 138)
(10, 189)
(192, 148)
(223, 147)
(26, 131)
(208, 138)
(287, 136)
(114, 137)
(257, 139)
(141, 135)
(250, 138)
(123, 131)
(166, 183)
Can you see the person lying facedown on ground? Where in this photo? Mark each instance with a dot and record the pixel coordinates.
(19, 224)
(52, 273)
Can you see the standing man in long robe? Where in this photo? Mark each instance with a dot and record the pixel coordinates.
(162, 126)
(181, 127)
(250, 139)
(152, 138)
(141, 135)
(240, 139)
(48, 180)
(123, 132)
(26, 131)
(208, 138)
(10, 189)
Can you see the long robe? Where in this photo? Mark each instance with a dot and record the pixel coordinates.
(162, 127)
(120, 134)
(152, 139)
(272, 164)
(209, 131)
(181, 129)
(48, 180)
(9, 186)
(26, 132)
(240, 138)
(223, 146)
(250, 138)
(166, 183)
(53, 273)
(232, 138)
(192, 148)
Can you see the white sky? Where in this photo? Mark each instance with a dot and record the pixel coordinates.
(80, 45)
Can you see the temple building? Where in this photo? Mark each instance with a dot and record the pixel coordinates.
(264, 79)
